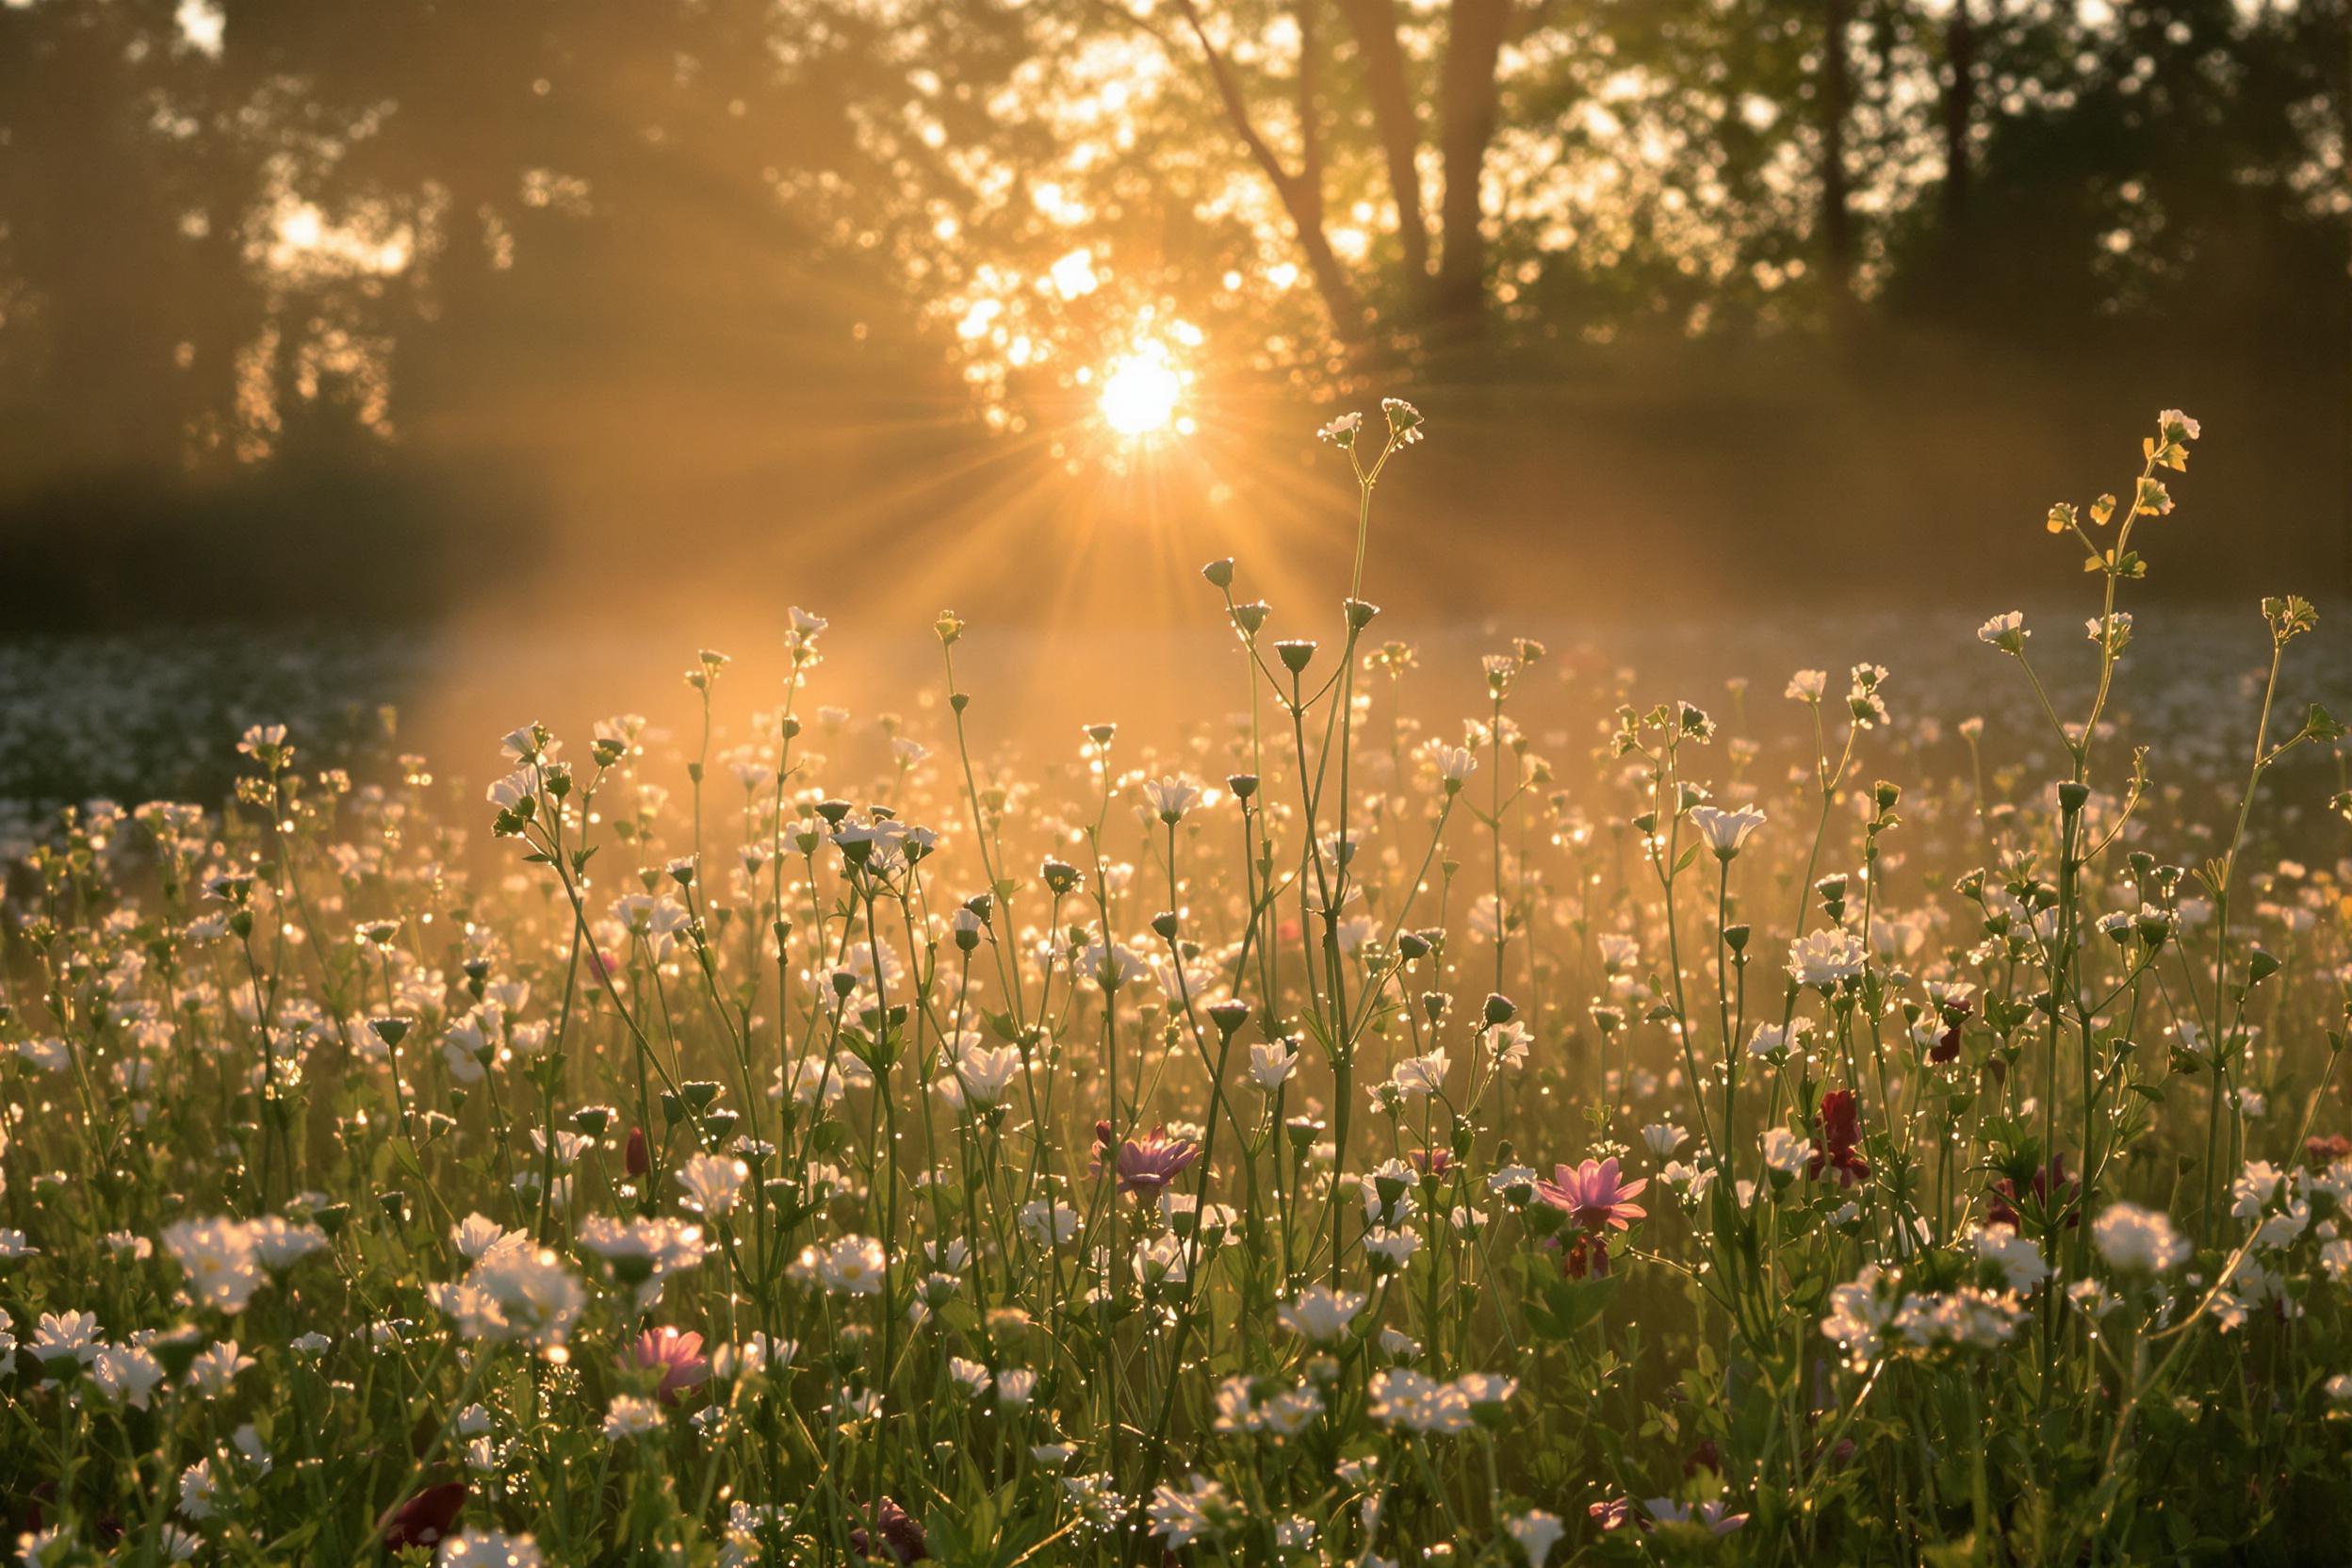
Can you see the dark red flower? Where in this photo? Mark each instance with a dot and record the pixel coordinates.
(1582, 1256)
(1836, 1130)
(424, 1518)
(1946, 1046)
(2001, 1203)
(638, 1158)
(2326, 1151)
(902, 1538)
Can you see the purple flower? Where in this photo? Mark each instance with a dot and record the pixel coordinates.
(1611, 1512)
(1147, 1165)
(1593, 1195)
(679, 1355)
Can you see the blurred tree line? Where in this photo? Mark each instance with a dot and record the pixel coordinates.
(385, 290)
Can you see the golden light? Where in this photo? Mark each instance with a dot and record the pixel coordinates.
(1140, 393)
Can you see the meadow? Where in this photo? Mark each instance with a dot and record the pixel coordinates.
(1881, 1114)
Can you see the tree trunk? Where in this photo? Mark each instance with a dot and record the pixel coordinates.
(1467, 95)
(1301, 193)
(1373, 24)
(1959, 108)
(1836, 102)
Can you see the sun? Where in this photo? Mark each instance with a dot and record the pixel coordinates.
(1140, 393)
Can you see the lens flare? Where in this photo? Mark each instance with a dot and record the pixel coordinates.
(1140, 392)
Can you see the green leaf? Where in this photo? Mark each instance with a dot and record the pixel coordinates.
(1569, 1305)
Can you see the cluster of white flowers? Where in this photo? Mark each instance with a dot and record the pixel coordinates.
(2134, 1240)
(1404, 1396)
(515, 1294)
(1871, 1313)
(227, 1259)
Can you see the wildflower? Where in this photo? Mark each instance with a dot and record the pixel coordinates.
(2006, 632)
(1786, 1154)
(488, 1549)
(1404, 420)
(1726, 831)
(1514, 1183)
(1536, 1532)
(1147, 1165)
(125, 1376)
(423, 1518)
(45, 1548)
(1965, 1319)
(1321, 1314)
(1455, 764)
(215, 1369)
(679, 1357)
(476, 1236)
(514, 1296)
(2050, 1186)
(277, 1243)
(986, 1072)
(850, 1265)
(1416, 1076)
(1487, 1390)
(1199, 1511)
(901, 1536)
(66, 1336)
(2020, 1261)
(1708, 1514)
(2138, 1241)
(712, 1182)
(1663, 1139)
(223, 1270)
(1172, 798)
(629, 1416)
(1342, 432)
(1114, 964)
(1807, 686)
(2092, 1298)
(2252, 1189)
(1047, 1223)
(1953, 1010)
(1859, 1312)
(1862, 699)
(1840, 1125)
(1825, 959)
(1402, 1396)
(1271, 1063)
(643, 1253)
(973, 1376)
(1593, 1196)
